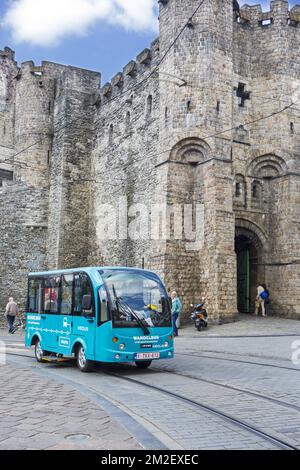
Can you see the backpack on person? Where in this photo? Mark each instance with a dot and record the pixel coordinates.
(264, 295)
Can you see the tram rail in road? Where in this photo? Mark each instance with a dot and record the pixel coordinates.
(275, 441)
(254, 430)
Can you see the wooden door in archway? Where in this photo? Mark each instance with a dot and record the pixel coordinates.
(243, 281)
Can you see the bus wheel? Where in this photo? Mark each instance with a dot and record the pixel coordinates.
(38, 351)
(143, 364)
(83, 363)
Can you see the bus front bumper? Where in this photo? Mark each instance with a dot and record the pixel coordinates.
(126, 356)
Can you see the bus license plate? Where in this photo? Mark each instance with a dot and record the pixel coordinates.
(147, 355)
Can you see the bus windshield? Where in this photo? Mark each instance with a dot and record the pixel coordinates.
(138, 299)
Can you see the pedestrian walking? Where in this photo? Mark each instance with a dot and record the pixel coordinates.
(176, 310)
(267, 299)
(260, 300)
(11, 312)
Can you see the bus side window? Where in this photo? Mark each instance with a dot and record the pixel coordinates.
(35, 295)
(51, 295)
(77, 295)
(46, 297)
(66, 294)
(103, 306)
(86, 289)
(82, 287)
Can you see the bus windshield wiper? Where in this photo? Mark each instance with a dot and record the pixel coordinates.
(129, 310)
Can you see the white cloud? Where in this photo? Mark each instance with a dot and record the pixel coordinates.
(47, 22)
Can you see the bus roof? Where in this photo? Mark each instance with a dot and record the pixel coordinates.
(88, 270)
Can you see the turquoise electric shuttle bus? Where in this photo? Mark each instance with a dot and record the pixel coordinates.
(99, 314)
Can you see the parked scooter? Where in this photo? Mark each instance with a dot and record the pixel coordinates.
(200, 315)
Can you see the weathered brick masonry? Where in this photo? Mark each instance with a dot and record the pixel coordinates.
(163, 141)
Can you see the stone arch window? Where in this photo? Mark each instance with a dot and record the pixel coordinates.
(127, 122)
(187, 175)
(256, 193)
(191, 151)
(264, 170)
(111, 134)
(149, 106)
(267, 166)
(240, 190)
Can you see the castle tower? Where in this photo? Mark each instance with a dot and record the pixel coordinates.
(266, 154)
(70, 178)
(198, 169)
(8, 73)
(27, 136)
(231, 126)
(35, 94)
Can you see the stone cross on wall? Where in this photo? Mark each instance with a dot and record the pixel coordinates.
(242, 94)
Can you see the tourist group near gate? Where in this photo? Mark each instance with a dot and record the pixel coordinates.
(149, 228)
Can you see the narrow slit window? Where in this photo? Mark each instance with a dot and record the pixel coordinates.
(149, 106)
(127, 122)
(256, 191)
(166, 117)
(111, 134)
(238, 190)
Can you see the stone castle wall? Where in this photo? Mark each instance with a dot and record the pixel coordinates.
(124, 158)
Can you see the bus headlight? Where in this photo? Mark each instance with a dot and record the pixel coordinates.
(115, 340)
(117, 356)
(122, 346)
(166, 344)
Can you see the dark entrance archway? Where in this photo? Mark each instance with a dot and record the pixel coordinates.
(250, 269)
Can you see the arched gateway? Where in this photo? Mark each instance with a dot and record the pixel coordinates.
(250, 247)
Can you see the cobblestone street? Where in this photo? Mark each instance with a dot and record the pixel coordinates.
(243, 370)
(37, 413)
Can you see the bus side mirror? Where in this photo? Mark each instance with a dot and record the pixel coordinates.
(86, 302)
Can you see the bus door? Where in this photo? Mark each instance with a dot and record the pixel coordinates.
(84, 319)
(66, 318)
(51, 313)
(103, 333)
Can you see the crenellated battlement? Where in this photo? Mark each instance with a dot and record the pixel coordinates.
(132, 71)
(279, 13)
(8, 53)
(47, 74)
(29, 68)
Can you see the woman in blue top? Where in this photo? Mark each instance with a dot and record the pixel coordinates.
(176, 310)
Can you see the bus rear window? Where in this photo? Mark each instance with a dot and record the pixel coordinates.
(35, 296)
